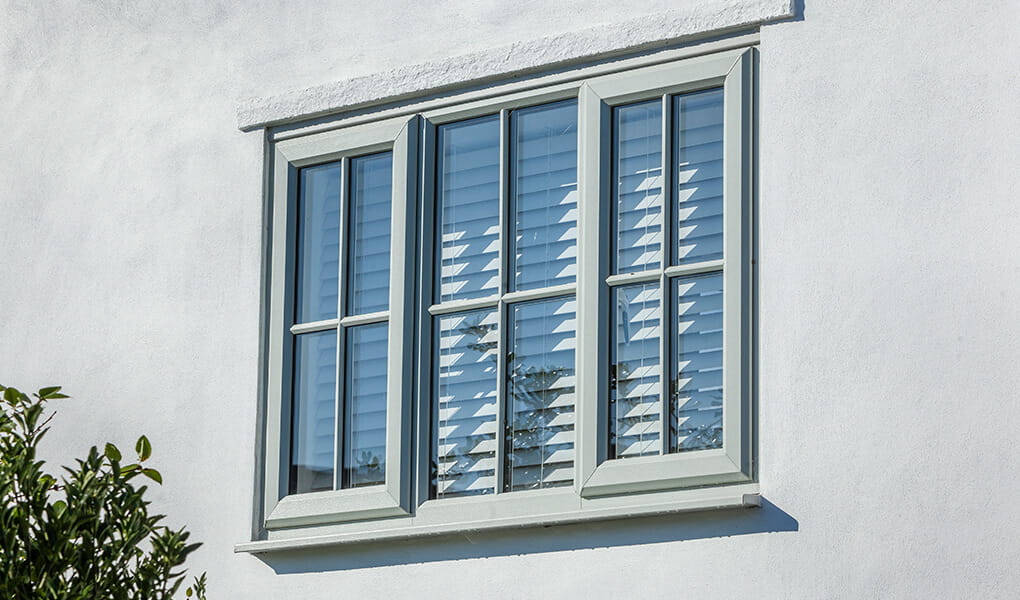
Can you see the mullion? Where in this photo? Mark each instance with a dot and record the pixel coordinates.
(666, 301)
(341, 311)
(614, 193)
(502, 431)
(431, 161)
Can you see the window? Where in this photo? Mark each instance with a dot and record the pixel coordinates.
(525, 304)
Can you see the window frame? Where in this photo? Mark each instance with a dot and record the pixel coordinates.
(596, 475)
(397, 135)
(602, 488)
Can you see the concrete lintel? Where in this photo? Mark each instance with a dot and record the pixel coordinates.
(574, 46)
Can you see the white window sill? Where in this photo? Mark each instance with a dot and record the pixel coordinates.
(465, 515)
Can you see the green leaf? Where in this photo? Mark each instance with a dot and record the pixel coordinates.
(112, 452)
(154, 475)
(49, 392)
(128, 468)
(11, 395)
(59, 507)
(143, 448)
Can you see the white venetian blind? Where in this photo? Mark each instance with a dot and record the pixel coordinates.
(698, 172)
(468, 206)
(465, 421)
(638, 190)
(541, 335)
(540, 393)
(465, 435)
(544, 196)
(535, 432)
(636, 378)
(697, 387)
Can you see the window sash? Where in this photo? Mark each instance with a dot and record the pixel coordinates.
(504, 297)
(600, 476)
(392, 497)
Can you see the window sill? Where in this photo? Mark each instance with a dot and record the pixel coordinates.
(464, 515)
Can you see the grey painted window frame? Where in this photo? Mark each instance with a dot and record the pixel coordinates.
(596, 476)
(398, 135)
(602, 488)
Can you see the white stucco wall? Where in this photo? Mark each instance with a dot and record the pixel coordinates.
(131, 206)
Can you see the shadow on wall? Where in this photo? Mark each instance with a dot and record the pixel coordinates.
(602, 534)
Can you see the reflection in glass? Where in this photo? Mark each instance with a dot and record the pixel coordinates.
(543, 195)
(635, 385)
(464, 431)
(637, 155)
(314, 401)
(318, 233)
(540, 394)
(364, 437)
(468, 205)
(368, 281)
(698, 176)
(697, 390)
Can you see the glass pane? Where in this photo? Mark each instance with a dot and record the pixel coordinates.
(540, 394)
(312, 412)
(697, 390)
(464, 431)
(368, 283)
(468, 189)
(637, 152)
(318, 239)
(365, 405)
(698, 173)
(635, 387)
(544, 195)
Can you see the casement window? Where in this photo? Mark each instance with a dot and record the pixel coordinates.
(520, 305)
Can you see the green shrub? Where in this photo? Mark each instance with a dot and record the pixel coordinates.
(86, 534)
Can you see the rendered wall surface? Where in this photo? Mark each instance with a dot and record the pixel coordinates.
(889, 286)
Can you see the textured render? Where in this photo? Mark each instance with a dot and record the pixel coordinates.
(692, 18)
(888, 289)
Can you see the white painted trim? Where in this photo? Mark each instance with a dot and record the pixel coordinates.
(686, 22)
